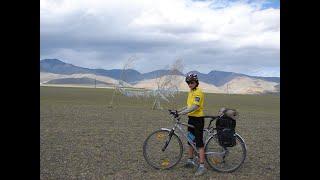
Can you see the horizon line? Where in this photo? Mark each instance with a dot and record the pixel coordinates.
(163, 69)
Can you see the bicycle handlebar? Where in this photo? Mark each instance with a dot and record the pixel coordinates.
(211, 118)
(171, 112)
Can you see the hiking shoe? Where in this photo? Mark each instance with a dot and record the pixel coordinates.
(200, 171)
(190, 164)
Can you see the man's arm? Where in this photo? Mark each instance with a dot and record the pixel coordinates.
(188, 110)
(182, 109)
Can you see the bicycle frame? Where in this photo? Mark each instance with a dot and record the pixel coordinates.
(178, 125)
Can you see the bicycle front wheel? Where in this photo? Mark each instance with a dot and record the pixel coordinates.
(162, 149)
(225, 159)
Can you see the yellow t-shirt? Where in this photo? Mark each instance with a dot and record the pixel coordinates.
(196, 97)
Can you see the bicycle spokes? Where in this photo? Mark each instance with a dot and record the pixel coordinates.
(216, 154)
(162, 149)
(160, 136)
(225, 159)
(216, 160)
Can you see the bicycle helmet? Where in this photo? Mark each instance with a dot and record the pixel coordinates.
(192, 77)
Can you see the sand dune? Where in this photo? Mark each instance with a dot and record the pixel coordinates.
(179, 82)
(245, 85)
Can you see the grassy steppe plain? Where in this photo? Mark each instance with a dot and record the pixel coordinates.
(81, 138)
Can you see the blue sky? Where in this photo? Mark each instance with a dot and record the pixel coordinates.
(239, 35)
(264, 3)
(272, 4)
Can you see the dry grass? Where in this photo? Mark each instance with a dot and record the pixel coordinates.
(81, 138)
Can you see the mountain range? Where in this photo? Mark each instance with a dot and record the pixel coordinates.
(53, 69)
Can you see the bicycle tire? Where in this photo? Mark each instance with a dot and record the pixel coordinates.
(159, 165)
(215, 162)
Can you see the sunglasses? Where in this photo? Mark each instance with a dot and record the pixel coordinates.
(191, 82)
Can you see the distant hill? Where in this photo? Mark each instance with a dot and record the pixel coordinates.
(179, 81)
(219, 78)
(159, 73)
(56, 69)
(246, 85)
(83, 80)
(47, 77)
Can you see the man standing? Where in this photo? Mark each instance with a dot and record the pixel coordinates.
(194, 110)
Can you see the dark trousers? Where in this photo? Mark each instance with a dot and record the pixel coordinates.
(198, 123)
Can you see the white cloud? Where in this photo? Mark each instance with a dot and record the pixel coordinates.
(159, 31)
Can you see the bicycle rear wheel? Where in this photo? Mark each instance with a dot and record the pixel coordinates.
(162, 150)
(225, 159)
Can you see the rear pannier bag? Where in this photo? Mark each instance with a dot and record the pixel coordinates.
(226, 129)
